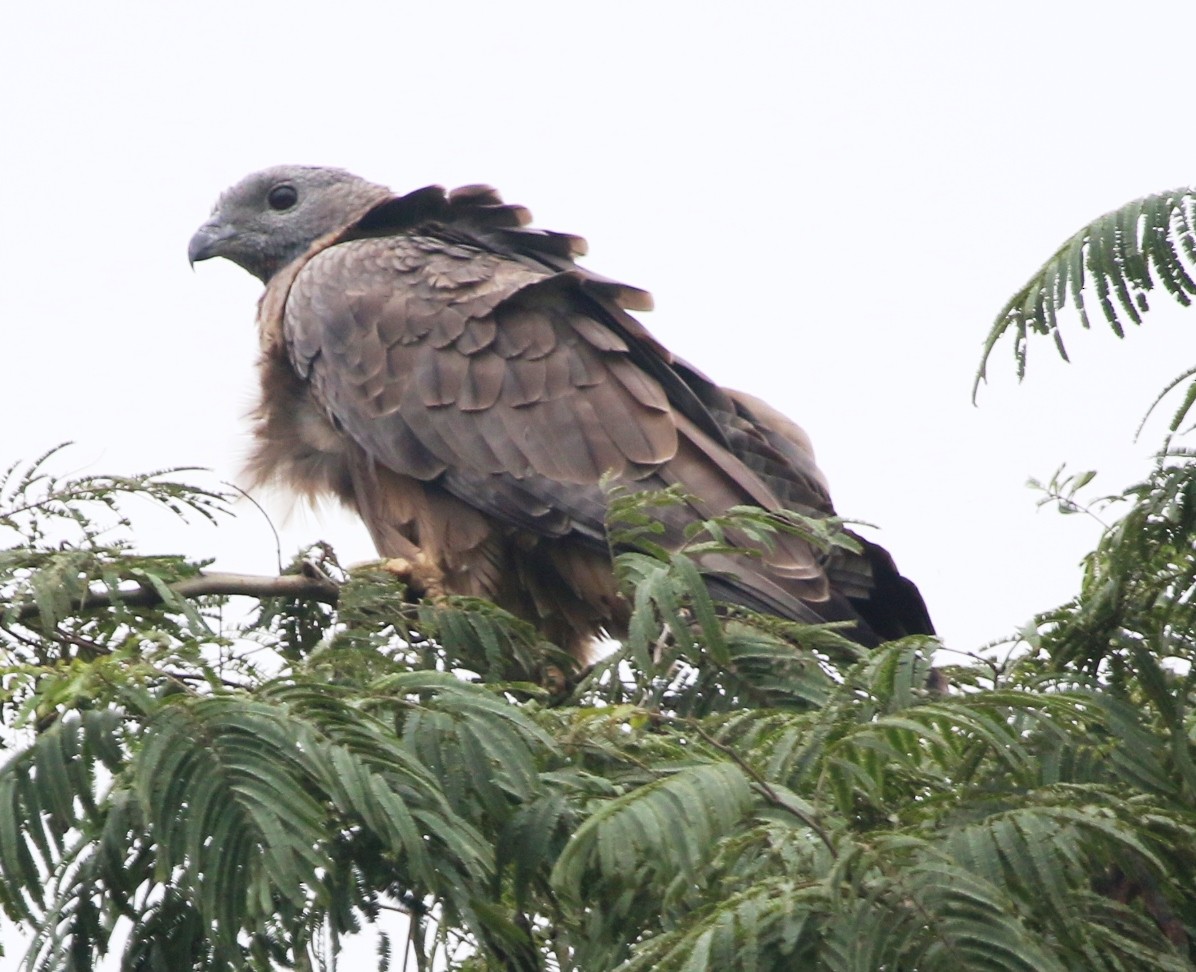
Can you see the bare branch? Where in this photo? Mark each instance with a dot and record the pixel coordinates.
(311, 585)
(304, 587)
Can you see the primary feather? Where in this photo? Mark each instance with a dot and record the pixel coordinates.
(453, 376)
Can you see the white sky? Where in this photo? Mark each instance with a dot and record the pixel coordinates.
(829, 201)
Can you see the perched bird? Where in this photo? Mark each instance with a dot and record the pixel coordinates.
(452, 375)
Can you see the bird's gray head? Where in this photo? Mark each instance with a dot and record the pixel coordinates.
(269, 218)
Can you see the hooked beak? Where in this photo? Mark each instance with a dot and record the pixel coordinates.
(209, 241)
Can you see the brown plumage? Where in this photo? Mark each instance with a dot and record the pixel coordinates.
(454, 377)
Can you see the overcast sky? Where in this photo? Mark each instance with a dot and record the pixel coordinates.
(829, 201)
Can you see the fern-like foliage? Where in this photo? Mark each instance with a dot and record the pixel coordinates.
(723, 791)
(1119, 258)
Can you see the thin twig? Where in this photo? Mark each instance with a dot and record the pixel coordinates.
(762, 785)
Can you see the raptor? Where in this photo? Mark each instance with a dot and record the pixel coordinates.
(452, 374)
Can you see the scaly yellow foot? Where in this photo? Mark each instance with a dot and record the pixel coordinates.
(420, 574)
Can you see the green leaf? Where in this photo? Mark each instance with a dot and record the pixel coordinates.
(1124, 250)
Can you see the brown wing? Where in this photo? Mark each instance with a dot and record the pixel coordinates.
(889, 602)
(452, 364)
(796, 478)
(517, 383)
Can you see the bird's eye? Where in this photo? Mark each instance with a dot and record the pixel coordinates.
(282, 197)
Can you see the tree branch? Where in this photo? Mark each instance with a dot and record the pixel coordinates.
(311, 585)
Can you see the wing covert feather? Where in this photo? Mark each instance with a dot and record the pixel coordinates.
(502, 373)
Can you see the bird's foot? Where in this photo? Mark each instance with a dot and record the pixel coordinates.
(554, 679)
(421, 576)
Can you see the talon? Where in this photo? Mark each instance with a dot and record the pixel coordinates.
(421, 575)
(553, 678)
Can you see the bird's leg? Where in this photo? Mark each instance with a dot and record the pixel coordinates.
(420, 574)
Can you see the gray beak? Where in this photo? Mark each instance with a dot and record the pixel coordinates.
(209, 241)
